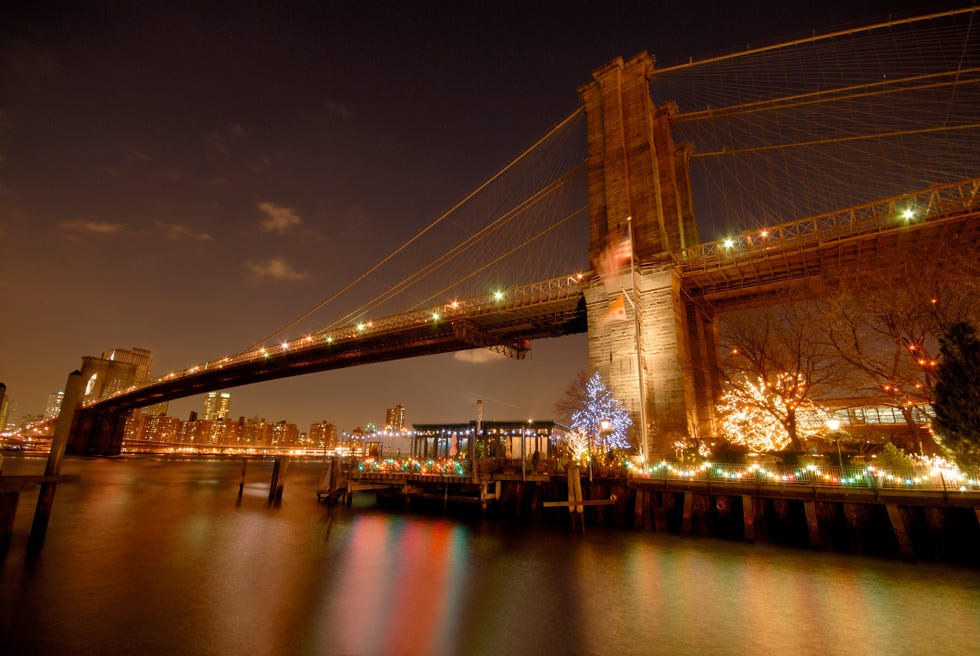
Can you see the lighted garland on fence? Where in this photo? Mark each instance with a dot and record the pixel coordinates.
(815, 475)
(867, 477)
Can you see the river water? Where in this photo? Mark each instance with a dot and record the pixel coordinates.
(156, 556)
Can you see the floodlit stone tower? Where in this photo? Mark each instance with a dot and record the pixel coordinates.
(660, 361)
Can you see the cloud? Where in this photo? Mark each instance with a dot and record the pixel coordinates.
(97, 227)
(221, 141)
(477, 356)
(277, 269)
(338, 108)
(177, 231)
(279, 219)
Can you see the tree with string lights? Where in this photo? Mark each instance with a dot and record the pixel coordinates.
(885, 323)
(756, 414)
(773, 364)
(602, 417)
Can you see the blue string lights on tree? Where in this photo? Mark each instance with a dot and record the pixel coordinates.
(602, 417)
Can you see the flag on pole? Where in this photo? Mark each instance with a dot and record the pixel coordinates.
(616, 310)
(609, 264)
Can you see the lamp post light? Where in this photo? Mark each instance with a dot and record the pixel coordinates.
(605, 428)
(834, 426)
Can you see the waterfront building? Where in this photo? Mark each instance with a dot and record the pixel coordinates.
(197, 431)
(257, 432)
(284, 434)
(496, 439)
(160, 428)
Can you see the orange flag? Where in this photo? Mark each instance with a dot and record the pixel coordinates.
(616, 310)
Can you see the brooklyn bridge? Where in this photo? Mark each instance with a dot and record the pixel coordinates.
(820, 157)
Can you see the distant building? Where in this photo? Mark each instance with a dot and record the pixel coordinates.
(323, 434)
(217, 405)
(53, 408)
(154, 428)
(4, 407)
(284, 434)
(156, 409)
(395, 419)
(257, 432)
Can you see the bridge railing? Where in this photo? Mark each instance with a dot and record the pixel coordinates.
(920, 207)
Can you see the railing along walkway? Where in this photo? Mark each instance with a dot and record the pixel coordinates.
(928, 205)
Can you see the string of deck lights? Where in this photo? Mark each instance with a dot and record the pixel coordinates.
(865, 477)
(870, 476)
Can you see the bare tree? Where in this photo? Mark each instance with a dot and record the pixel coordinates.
(782, 348)
(885, 323)
(572, 398)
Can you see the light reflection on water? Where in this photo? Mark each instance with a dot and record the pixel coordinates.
(148, 556)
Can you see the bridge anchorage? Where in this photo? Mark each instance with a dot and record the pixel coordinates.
(650, 303)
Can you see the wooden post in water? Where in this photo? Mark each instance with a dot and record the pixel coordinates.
(278, 478)
(901, 534)
(577, 512)
(686, 526)
(74, 387)
(812, 525)
(241, 484)
(748, 518)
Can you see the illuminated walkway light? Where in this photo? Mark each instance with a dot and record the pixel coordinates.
(498, 296)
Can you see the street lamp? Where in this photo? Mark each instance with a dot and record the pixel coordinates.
(834, 426)
(605, 427)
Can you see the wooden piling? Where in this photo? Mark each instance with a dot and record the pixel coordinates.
(74, 387)
(748, 518)
(576, 511)
(902, 535)
(241, 484)
(8, 510)
(278, 479)
(812, 525)
(686, 518)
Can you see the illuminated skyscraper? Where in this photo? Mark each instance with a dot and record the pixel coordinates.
(395, 419)
(323, 434)
(217, 405)
(54, 404)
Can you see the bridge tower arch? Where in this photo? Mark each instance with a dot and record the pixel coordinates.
(662, 363)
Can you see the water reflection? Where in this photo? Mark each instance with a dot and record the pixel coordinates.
(155, 557)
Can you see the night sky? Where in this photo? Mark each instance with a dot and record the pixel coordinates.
(188, 178)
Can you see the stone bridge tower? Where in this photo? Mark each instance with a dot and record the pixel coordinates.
(660, 362)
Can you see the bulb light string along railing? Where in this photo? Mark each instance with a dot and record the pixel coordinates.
(924, 477)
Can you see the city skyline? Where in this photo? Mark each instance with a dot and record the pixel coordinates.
(186, 181)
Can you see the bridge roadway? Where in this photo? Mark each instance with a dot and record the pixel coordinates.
(505, 321)
(749, 268)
